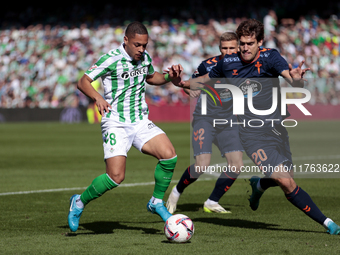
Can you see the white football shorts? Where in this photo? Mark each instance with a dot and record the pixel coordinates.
(118, 137)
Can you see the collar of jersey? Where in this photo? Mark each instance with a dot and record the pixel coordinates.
(124, 53)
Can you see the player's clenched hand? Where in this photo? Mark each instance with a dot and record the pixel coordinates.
(103, 106)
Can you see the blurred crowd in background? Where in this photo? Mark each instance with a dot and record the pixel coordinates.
(40, 64)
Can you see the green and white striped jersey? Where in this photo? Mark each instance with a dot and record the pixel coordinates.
(124, 84)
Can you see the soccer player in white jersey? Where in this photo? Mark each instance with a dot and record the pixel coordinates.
(125, 122)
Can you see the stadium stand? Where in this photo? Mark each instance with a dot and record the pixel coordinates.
(42, 58)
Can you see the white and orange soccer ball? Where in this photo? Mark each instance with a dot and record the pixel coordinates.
(179, 228)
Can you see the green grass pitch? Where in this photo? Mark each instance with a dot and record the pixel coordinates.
(62, 159)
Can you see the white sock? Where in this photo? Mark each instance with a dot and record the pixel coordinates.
(258, 186)
(326, 222)
(79, 203)
(211, 202)
(175, 192)
(156, 200)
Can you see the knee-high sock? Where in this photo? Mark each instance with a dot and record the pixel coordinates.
(302, 200)
(163, 174)
(189, 176)
(98, 187)
(266, 183)
(222, 185)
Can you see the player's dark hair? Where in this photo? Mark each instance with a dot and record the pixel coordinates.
(135, 28)
(251, 27)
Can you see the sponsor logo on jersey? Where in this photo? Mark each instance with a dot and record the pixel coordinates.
(134, 73)
(231, 59)
(225, 95)
(254, 85)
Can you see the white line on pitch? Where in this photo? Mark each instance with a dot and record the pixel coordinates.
(83, 188)
(173, 181)
(69, 189)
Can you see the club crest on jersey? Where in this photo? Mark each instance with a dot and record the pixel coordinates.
(254, 85)
(134, 73)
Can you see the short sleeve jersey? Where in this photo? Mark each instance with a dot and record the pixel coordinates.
(262, 75)
(124, 83)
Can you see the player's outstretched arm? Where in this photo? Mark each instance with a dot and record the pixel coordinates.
(195, 83)
(157, 79)
(295, 76)
(192, 93)
(84, 85)
(173, 74)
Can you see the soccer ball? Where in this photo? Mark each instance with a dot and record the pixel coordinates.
(179, 228)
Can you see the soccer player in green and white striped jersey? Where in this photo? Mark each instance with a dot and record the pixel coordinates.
(124, 83)
(124, 72)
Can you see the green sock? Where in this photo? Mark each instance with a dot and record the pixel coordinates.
(163, 174)
(98, 187)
